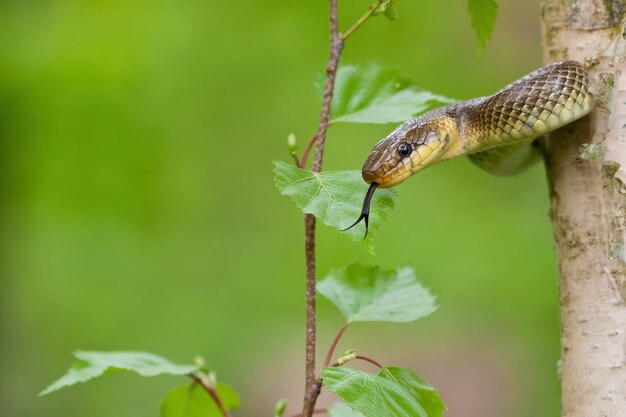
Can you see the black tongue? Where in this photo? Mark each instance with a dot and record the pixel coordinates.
(365, 211)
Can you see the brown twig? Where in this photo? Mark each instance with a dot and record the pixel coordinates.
(370, 360)
(202, 381)
(329, 356)
(313, 385)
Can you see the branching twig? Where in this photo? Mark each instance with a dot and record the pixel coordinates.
(212, 392)
(313, 385)
(370, 11)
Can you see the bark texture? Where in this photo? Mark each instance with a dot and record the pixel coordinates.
(586, 164)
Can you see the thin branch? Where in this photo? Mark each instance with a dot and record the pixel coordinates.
(311, 391)
(370, 11)
(212, 392)
(313, 385)
(370, 360)
(329, 356)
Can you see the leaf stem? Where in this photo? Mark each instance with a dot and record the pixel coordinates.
(370, 11)
(329, 356)
(370, 360)
(305, 154)
(206, 384)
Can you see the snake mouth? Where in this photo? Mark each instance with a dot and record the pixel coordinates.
(365, 210)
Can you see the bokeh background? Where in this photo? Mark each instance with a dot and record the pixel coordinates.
(139, 212)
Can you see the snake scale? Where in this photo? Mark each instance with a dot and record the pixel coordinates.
(496, 131)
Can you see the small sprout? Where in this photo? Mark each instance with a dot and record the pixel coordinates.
(391, 13)
(212, 379)
(280, 407)
(292, 144)
(199, 360)
(346, 356)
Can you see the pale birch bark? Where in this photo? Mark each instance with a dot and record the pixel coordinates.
(586, 165)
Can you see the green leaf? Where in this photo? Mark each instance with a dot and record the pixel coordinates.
(342, 410)
(427, 396)
(193, 401)
(92, 364)
(367, 293)
(391, 12)
(483, 18)
(370, 93)
(393, 392)
(388, 8)
(335, 198)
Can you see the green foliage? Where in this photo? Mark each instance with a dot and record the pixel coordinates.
(93, 364)
(193, 401)
(427, 396)
(368, 293)
(388, 9)
(392, 392)
(369, 93)
(342, 410)
(334, 197)
(483, 18)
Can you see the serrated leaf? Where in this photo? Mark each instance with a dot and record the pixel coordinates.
(367, 293)
(483, 18)
(193, 401)
(369, 93)
(374, 395)
(92, 364)
(342, 410)
(335, 198)
(427, 396)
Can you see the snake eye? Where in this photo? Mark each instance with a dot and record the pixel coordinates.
(404, 149)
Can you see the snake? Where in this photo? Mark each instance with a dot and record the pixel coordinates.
(497, 132)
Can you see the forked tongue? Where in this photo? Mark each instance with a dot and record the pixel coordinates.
(365, 211)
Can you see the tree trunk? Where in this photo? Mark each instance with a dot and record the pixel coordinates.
(586, 165)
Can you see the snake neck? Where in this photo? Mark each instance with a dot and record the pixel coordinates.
(541, 102)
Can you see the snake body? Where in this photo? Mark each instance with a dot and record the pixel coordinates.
(496, 131)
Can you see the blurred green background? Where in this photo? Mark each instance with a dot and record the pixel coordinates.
(139, 211)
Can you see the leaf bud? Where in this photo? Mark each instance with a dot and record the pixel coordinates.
(346, 356)
(280, 407)
(292, 144)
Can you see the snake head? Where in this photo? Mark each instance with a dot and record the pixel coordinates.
(412, 147)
